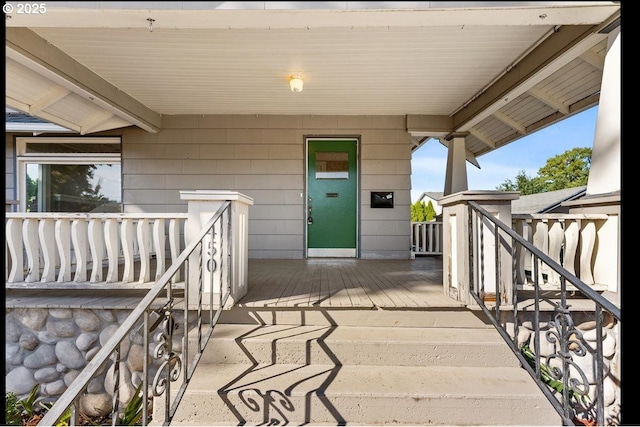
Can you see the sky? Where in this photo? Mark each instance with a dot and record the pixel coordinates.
(530, 153)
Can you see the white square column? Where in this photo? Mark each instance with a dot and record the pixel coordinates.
(458, 273)
(201, 206)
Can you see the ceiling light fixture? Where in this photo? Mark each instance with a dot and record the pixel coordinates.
(296, 84)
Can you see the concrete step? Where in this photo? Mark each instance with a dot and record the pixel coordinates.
(415, 317)
(317, 366)
(357, 345)
(236, 394)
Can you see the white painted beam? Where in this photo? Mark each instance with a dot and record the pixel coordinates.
(594, 59)
(94, 121)
(112, 123)
(509, 122)
(18, 105)
(51, 97)
(315, 15)
(483, 138)
(32, 51)
(549, 100)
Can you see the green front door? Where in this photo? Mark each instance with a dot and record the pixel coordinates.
(332, 198)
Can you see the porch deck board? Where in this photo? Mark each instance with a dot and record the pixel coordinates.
(357, 295)
(292, 294)
(336, 283)
(320, 282)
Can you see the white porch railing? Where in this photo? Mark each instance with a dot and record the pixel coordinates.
(577, 242)
(426, 238)
(74, 247)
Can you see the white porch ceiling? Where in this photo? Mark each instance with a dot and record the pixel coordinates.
(497, 70)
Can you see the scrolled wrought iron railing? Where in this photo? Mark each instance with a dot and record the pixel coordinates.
(157, 319)
(576, 368)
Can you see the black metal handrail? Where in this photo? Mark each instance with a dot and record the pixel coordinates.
(562, 381)
(154, 313)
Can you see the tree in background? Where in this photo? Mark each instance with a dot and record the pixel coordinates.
(566, 170)
(68, 188)
(430, 212)
(422, 212)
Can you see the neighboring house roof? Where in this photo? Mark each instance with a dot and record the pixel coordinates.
(434, 195)
(547, 201)
(16, 121)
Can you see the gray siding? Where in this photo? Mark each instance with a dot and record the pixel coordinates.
(263, 157)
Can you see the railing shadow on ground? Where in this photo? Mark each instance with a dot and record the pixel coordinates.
(153, 323)
(276, 406)
(565, 339)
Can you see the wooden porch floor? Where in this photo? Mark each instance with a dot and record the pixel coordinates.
(340, 282)
(319, 282)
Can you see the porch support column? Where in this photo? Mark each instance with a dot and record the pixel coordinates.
(201, 205)
(456, 175)
(603, 187)
(459, 275)
(604, 173)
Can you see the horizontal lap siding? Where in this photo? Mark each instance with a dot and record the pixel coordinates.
(263, 157)
(385, 166)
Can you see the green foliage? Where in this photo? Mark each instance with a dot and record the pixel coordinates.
(16, 408)
(546, 377)
(73, 183)
(12, 410)
(422, 212)
(416, 212)
(567, 170)
(65, 419)
(430, 212)
(27, 404)
(570, 169)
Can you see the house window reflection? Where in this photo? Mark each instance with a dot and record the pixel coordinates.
(332, 165)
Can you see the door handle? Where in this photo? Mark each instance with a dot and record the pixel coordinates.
(309, 220)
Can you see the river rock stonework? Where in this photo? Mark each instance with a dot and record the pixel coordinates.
(50, 347)
(585, 325)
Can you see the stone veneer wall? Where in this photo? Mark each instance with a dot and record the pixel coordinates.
(51, 346)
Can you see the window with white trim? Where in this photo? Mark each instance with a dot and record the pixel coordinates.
(67, 174)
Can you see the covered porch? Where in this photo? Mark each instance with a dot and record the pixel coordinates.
(329, 282)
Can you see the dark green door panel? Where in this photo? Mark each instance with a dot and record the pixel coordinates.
(332, 195)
